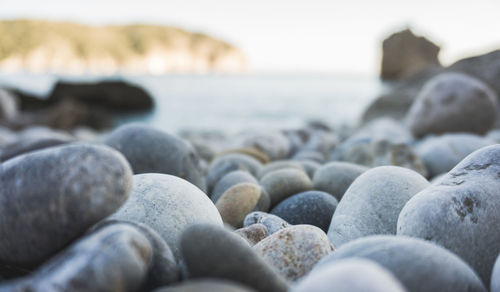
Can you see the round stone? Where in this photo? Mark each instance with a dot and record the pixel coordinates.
(295, 250)
(345, 276)
(253, 233)
(167, 204)
(206, 285)
(229, 180)
(311, 207)
(460, 211)
(453, 102)
(272, 222)
(335, 177)
(237, 202)
(419, 265)
(281, 184)
(153, 151)
(231, 162)
(279, 164)
(372, 203)
(49, 197)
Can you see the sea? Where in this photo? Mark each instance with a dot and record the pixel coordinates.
(231, 103)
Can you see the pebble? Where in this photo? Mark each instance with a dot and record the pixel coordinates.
(453, 102)
(295, 250)
(372, 203)
(465, 203)
(211, 251)
(272, 222)
(419, 265)
(253, 233)
(344, 276)
(279, 164)
(237, 202)
(153, 151)
(495, 276)
(49, 197)
(114, 258)
(310, 166)
(281, 184)
(335, 177)
(229, 180)
(311, 207)
(168, 204)
(274, 144)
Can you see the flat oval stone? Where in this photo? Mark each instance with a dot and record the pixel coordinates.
(453, 102)
(295, 250)
(237, 202)
(311, 207)
(115, 258)
(167, 204)
(278, 164)
(206, 285)
(50, 197)
(350, 275)
(460, 211)
(372, 203)
(274, 144)
(210, 251)
(153, 151)
(419, 265)
(272, 222)
(229, 180)
(281, 184)
(335, 177)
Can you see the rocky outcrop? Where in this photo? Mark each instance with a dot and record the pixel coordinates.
(405, 54)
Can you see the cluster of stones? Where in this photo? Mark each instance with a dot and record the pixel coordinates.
(389, 206)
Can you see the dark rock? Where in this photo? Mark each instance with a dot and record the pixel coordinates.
(350, 275)
(153, 151)
(372, 203)
(167, 204)
(453, 102)
(115, 258)
(58, 192)
(311, 207)
(404, 54)
(465, 204)
(295, 250)
(419, 265)
(213, 252)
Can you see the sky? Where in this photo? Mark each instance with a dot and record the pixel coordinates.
(296, 35)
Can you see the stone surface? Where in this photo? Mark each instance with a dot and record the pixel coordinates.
(153, 151)
(278, 164)
(281, 184)
(465, 202)
(253, 233)
(335, 177)
(272, 222)
(350, 275)
(50, 197)
(274, 144)
(453, 102)
(115, 258)
(24, 144)
(223, 165)
(311, 207)
(167, 204)
(295, 250)
(440, 154)
(163, 269)
(419, 265)
(206, 285)
(372, 203)
(210, 251)
(237, 202)
(495, 276)
(229, 180)
(310, 166)
(404, 53)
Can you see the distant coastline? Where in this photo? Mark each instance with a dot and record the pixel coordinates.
(38, 46)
